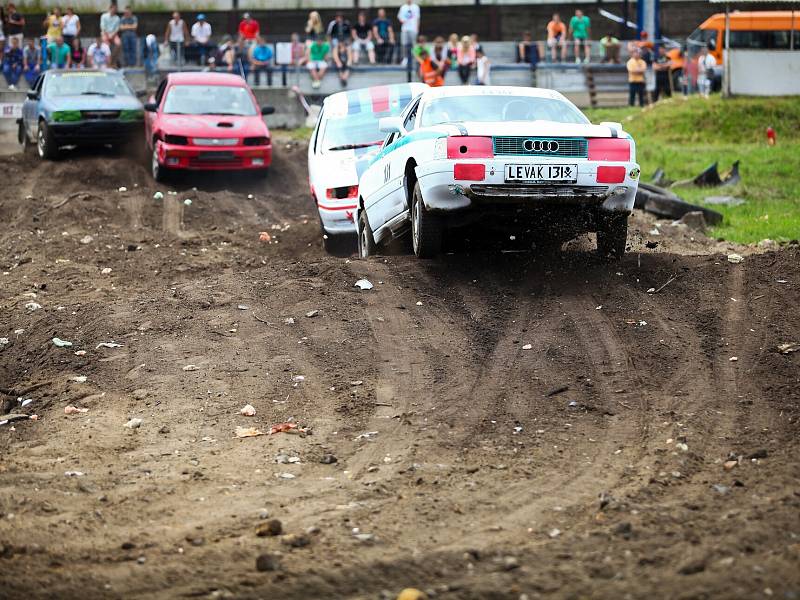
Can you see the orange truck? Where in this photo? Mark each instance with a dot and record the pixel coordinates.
(757, 30)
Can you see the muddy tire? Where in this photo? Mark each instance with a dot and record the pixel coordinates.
(426, 228)
(612, 237)
(46, 143)
(159, 171)
(23, 139)
(366, 241)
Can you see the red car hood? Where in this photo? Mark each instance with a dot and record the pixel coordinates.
(213, 126)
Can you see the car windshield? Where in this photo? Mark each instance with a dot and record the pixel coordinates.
(358, 130)
(88, 83)
(210, 100)
(496, 107)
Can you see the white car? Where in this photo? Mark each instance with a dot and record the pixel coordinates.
(518, 159)
(345, 138)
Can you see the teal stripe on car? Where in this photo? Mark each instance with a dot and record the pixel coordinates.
(414, 136)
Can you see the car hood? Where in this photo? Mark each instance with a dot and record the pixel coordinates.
(95, 103)
(213, 126)
(528, 128)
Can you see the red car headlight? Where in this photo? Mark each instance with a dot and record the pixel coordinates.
(470, 147)
(616, 149)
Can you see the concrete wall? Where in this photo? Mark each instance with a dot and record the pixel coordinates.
(764, 72)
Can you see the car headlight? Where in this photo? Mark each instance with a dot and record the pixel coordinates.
(131, 115)
(440, 148)
(65, 116)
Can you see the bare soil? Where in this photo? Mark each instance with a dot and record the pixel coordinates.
(505, 424)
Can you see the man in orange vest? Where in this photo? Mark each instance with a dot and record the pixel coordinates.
(429, 71)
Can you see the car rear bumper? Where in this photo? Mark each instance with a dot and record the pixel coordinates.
(443, 193)
(204, 158)
(95, 132)
(338, 216)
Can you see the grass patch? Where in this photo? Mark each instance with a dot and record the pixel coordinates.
(686, 136)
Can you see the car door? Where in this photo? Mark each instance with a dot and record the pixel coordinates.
(395, 176)
(30, 108)
(372, 184)
(313, 154)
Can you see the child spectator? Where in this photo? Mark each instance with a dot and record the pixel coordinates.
(201, 38)
(261, 61)
(52, 25)
(465, 59)
(580, 29)
(12, 63)
(610, 46)
(636, 70)
(383, 34)
(556, 37)
(662, 67)
(362, 39)
(15, 23)
(128, 26)
(483, 67)
(77, 55)
(31, 61)
(70, 26)
(58, 53)
(98, 55)
(317, 61)
(429, 70)
(342, 57)
(314, 27)
(705, 71)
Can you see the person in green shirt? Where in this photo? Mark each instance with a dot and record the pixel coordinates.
(58, 52)
(317, 61)
(580, 29)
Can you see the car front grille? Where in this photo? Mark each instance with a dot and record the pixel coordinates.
(561, 193)
(100, 115)
(510, 145)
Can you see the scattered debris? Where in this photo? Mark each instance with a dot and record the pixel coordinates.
(78, 379)
(730, 464)
(122, 189)
(693, 220)
(554, 533)
(289, 320)
(328, 459)
(788, 348)
(87, 239)
(285, 475)
(724, 200)
(733, 359)
(80, 352)
(264, 237)
(556, 390)
(242, 307)
(59, 343)
(4, 341)
(298, 378)
(363, 284)
(296, 540)
(527, 347)
(105, 270)
(134, 423)
(191, 368)
(74, 410)
(267, 562)
(411, 594)
(158, 196)
(356, 383)
(243, 432)
(368, 435)
(419, 303)
(32, 306)
(248, 410)
(287, 427)
(74, 473)
(271, 528)
(312, 313)
(735, 258)
(108, 345)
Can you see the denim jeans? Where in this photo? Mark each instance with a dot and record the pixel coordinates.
(129, 47)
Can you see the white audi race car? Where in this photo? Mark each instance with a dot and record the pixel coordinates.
(524, 160)
(344, 140)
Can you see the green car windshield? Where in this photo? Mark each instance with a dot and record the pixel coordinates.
(86, 83)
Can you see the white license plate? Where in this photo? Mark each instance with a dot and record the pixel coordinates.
(542, 173)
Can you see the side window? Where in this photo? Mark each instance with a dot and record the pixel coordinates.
(160, 91)
(390, 138)
(38, 85)
(411, 118)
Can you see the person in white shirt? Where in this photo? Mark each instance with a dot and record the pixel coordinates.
(705, 71)
(175, 35)
(70, 26)
(98, 54)
(483, 66)
(201, 37)
(409, 17)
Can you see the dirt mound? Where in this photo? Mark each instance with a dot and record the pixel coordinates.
(486, 425)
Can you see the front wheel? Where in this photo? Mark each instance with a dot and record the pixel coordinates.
(46, 143)
(612, 236)
(160, 172)
(426, 228)
(366, 241)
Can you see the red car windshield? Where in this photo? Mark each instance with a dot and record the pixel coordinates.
(209, 100)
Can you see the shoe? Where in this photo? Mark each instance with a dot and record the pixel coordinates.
(404, 62)
(315, 84)
(12, 87)
(577, 61)
(587, 60)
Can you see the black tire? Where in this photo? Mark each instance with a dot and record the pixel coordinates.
(24, 140)
(262, 173)
(159, 171)
(612, 237)
(46, 143)
(426, 229)
(366, 241)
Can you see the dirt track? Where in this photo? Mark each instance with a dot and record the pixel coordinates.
(476, 476)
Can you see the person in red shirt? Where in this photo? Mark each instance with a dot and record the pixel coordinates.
(249, 29)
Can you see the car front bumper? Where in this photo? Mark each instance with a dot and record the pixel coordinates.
(95, 132)
(443, 193)
(213, 158)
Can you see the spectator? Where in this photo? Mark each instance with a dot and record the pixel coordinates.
(201, 37)
(70, 26)
(175, 35)
(314, 27)
(580, 30)
(644, 45)
(556, 37)
(611, 48)
(430, 71)
(225, 55)
(636, 70)
(150, 54)
(422, 44)
(12, 63)
(317, 60)
(528, 50)
(339, 29)
(440, 55)
(249, 30)
(261, 61)
(465, 59)
(58, 53)
(2, 35)
(452, 50)
(409, 16)
(109, 25)
(475, 42)
(342, 58)
(52, 25)
(14, 24)
(678, 61)
(362, 39)
(77, 55)
(128, 26)
(31, 61)
(483, 68)
(662, 67)
(705, 71)
(383, 34)
(298, 51)
(98, 56)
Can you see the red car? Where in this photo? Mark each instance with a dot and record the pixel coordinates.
(206, 122)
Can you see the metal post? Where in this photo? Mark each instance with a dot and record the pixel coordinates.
(791, 34)
(726, 55)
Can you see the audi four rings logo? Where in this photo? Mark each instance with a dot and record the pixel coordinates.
(540, 146)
